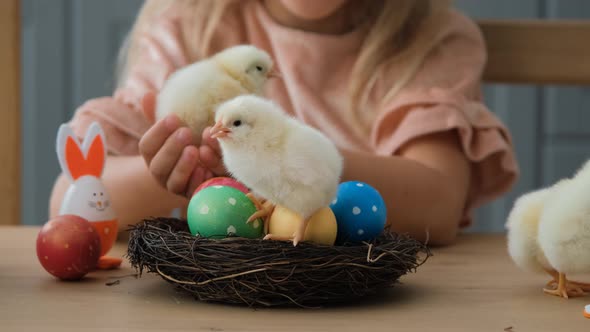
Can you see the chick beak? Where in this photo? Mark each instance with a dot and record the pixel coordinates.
(275, 73)
(219, 131)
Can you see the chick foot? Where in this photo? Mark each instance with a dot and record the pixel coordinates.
(566, 292)
(553, 283)
(565, 289)
(299, 234)
(297, 237)
(264, 210)
(276, 237)
(582, 285)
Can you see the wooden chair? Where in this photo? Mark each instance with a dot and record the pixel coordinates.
(537, 51)
(10, 112)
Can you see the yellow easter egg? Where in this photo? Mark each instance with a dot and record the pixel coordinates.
(321, 229)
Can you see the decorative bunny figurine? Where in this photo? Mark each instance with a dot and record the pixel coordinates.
(87, 196)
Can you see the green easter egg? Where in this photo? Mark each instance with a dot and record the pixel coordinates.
(221, 211)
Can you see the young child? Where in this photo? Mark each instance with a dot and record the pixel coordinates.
(395, 84)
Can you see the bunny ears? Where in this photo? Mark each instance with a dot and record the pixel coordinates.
(88, 159)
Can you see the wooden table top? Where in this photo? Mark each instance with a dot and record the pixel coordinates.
(471, 286)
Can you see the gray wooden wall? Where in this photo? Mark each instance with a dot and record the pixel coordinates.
(69, 50)
(547, 123)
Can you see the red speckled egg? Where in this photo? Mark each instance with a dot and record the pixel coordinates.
(68, 247)
(222, 181)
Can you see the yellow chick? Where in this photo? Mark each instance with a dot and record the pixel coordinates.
(523, 226)
(281, 159)
(564, 233)
(193, 92)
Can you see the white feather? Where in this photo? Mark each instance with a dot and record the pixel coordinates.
(523, 225)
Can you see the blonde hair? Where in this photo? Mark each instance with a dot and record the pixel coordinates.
(401, 33)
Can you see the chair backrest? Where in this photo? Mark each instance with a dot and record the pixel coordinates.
(9, 112)
(537, 51)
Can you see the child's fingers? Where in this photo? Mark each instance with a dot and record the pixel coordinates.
(179, 177)
(148, 106)
(164, 161)
(197, 177)
(211, 160)
(153, 140)
(206, 139)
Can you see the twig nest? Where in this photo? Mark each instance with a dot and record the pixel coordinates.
(267, 273)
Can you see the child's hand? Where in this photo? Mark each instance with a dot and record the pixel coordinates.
(210, 154)
(167, 147)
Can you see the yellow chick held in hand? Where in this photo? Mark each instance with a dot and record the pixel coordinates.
(281, 159)
(194, 91)
(564, 233)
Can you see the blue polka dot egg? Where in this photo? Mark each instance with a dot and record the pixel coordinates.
(221, 211)
(360, 212)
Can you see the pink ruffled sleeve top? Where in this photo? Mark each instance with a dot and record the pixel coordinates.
(316, 68)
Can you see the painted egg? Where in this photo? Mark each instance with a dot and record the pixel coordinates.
(321, 229)
(68, 247)
(221, 211)
(360, 212)
(222, 181)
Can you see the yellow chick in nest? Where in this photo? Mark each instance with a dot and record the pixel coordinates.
(564, 233)
(282, 160)
(193, 92)
(523, 230)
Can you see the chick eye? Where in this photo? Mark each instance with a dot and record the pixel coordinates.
(237, 123)
(259, 68)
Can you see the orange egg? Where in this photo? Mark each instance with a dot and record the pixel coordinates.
(321, 229)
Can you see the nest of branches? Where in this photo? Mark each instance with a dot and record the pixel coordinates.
(267, 273)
